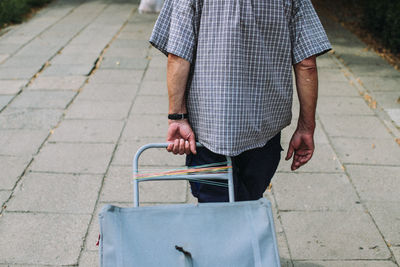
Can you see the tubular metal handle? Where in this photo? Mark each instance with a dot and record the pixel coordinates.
(228, 176)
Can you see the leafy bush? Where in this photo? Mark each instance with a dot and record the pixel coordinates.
(13, 11)
(382, 17)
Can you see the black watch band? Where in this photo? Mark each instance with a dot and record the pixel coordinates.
(177, 116)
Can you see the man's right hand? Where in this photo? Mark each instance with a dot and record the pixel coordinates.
(180, 137)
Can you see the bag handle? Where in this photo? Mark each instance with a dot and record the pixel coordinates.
(228, 176)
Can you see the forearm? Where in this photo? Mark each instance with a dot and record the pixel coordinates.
(177, 75)
(307, 91)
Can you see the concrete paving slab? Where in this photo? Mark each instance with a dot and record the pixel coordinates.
(89, 259)
(87, 131)
(155, 74)
(4, 100)
(118, 187)
(381, 84)
(375, 183)
(115, 77)
(124, 63)
(326, 61)
(102, 110)
(52, 239)
(154, 157)
(4, 195)
(109, 92)
(343, 106)
(145, 126)
(396, 252)
(76, 194)
(3, 57)
(66, 59)
(328, 88)
(323, 160)
(344, 263)
(12, 168)
(331, 75)
(57, 83)
(68, 70)
(127, 52)
(18, 73)
(367, 151)
(25, 61)
(333, 236)
(73, 158)
(302, 191)
(11, 87)
(93, 231)
(157, 61)
(32, 119)
(354, 126)
(388, 100)
(150, 105)
(394, 114)
(153, 88)
(43, 99)
(21, 142)
(387, 217)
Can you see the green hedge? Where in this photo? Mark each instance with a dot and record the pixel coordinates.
(382, 17)
(13, 11)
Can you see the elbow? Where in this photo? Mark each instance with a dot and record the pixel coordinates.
(308, 64)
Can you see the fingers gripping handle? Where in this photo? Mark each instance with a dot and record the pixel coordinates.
(228, 176)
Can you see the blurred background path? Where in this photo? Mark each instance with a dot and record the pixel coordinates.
(81, 90)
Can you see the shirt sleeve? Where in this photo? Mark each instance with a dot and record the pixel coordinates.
(174, 31)
(308, 37)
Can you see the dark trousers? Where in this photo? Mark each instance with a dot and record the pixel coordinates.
(252, 172)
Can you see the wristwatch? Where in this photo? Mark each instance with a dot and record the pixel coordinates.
(177, 116)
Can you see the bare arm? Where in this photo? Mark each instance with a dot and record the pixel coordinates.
(180, 135)
(302, 142)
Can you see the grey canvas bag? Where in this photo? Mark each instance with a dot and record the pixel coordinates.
(232, 234)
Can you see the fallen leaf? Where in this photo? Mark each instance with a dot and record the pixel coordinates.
(398, 141)
(373, 146)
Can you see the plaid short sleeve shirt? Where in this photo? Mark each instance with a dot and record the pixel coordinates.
(239, 93)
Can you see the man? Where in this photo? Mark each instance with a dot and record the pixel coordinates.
(229, 78)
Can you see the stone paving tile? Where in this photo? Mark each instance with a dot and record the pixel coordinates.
(344, 263)
(66, 59)
(343, 106)
(94, 230)
(118, 187)
(57, 83)
(67, 70)
(43, 99)
(329, 88)
(394, 115)
(68, 193)
(154, 157)
(21, 142)
(354, 126)
(367, 151)
(33, 119)
(11, 87)
(4, 195)
(73, 158)
(302, 191)
(323, 160)
(109, 92)
(145, 126)
(388, 100)
(87, 131)
(102, 110)
(387, 217)
(4, 100)
(332, 75)
(12, 168)
(155, 74)
(124, 63)
(150, 105)
(105, 76)
(333, 236)
(158, 61)
(375, 183)
(31, 61)
(127, 52)
(52, 239)
(154, 88)
(396, 252)
(3, 57)
(89, 259)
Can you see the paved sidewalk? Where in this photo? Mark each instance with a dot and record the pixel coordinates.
(81, 90)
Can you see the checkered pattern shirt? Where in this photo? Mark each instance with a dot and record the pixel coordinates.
(239, 93)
